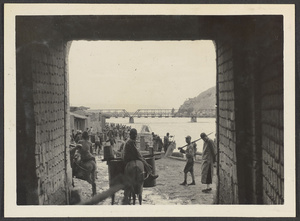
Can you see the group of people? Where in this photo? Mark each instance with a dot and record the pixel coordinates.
(159, 144)
(94, 138)
(116, 131)
(109, 134)
(208, 160)
(131, 152)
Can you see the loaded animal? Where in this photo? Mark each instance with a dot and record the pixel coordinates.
(84, 170)
(134, 171)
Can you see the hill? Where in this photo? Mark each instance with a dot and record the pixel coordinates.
(205, 100)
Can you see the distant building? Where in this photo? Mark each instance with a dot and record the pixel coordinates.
(78, 122)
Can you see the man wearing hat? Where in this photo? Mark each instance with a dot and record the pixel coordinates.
(189, 167)
(208, 159)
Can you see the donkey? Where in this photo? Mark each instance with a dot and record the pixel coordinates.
(134, 171)
(83, 170)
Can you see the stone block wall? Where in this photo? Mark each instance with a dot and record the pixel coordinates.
(250, 101)
(228, 186)
(46, 67)
(259, 110)
(48, 95)
(272, 144)
(272, 130)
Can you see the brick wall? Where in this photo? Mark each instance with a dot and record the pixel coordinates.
(247, 97)
(272, 115)
(250, 100)
(46, 68)
(49, 107)
(250, 104)
(228, 186)
(259, 110)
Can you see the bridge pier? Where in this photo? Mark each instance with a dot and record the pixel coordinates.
(193, 119)
(131, 120)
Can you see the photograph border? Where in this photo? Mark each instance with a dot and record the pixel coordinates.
(12, 10)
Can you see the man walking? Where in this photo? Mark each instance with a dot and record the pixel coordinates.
(132, 153)
(208, 159)
(98, 144)
(189, 167)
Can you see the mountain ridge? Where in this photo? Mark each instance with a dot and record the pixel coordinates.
(205, 100)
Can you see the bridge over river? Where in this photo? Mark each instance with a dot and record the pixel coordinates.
(154, 113)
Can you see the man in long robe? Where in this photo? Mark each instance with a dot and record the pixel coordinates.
(208, 159)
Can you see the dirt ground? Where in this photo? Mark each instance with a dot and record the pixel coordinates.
(167, 190)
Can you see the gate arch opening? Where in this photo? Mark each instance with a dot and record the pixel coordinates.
(250, 98)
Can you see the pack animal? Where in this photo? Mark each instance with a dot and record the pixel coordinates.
(134, 171)
(83, 170)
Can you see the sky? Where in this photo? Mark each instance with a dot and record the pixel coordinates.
(135, 75)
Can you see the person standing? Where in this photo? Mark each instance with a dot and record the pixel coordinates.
(208, 159)
(166, 142)
(132, 153)
(121, 149)
(73, 136)
(97, 143)
(155, 143)
(189, 167)
(110, 137)
(160, 143)
(78, 136)
(86, 148)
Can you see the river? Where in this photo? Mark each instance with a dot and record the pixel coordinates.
(179, 128)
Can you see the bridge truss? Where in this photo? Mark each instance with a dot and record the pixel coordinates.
(114, 112)
(156, 113)
(173, 113)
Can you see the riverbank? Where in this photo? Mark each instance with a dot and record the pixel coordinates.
(167, 190)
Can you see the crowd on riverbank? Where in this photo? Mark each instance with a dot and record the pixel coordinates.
(110, 133)
(114, 133)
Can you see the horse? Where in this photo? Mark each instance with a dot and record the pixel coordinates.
(83, 170)
(134, 171)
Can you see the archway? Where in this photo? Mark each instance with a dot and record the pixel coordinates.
(250, 98)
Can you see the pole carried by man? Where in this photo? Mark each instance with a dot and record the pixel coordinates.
(189, 167)
(179, 148)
